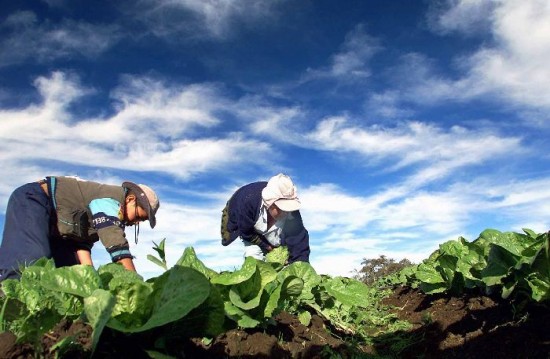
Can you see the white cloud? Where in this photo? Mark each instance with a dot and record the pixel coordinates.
(465, 16)
(405, 222)
(436, 213)
(174, 110)
(513, 66)
(29, 38)
(413, 143)
(357, 50)
(386, 105)
(197, 18)
(521, 203)
(188, 224)
(352, 61)
(283, 124)
(148, 133)
(342, 265)
(345, 211)
(350, 217)
(510, 65)
(436, 152)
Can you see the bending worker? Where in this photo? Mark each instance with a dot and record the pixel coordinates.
(265, 215)
(62, 218)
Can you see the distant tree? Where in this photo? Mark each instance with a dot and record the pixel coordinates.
(374, 269)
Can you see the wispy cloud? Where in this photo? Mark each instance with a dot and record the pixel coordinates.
(413, 143)
(125, 140)
(352, 61)
(203, 19)
(432, 151)
(387, 105)
(26, 37)
(511, 65)
(467, 17)
(411, 223)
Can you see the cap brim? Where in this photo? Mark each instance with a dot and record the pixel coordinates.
(288, 205)
(143, 202)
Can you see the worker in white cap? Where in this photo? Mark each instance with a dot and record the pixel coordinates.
(265, 215)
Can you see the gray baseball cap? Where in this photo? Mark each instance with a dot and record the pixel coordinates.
(146, 198)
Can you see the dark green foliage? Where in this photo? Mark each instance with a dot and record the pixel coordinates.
(377, 268)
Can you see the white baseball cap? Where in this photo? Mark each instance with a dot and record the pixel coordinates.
(282, 192)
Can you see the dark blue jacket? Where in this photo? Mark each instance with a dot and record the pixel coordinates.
(244, 210)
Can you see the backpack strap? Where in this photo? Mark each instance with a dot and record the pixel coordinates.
(51, 182)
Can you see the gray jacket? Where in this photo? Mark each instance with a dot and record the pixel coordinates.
(90, 211)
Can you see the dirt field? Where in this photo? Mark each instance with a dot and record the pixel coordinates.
(443, 327)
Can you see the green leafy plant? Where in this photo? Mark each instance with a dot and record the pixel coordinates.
(511, 263)
(188, 299)
(2, 315)
(161, 260)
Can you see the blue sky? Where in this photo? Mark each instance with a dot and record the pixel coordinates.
(404, 124)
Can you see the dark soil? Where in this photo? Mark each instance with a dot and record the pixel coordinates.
(78, 336)
(469, 326)
(472, 326)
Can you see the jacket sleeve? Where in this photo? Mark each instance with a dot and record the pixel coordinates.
(296, 238)
(110, 229)
(246, 217)
(246, 226)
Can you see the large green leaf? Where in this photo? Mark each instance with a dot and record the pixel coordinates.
(428, 274)
(247, 295)
(98, 308)
(431, 280)
(499, 265)
(304, 271)
(348, 291)
(241, 317)
(244, 273)
(174, 294)
(513, 242)
(278, 255)
(182, 290)
(292, 287)
(190, 259)
(213, 314)
(133, 305)
(207, 319)
(539, 279)
(273, 301)
(80, 280)
(114, 274)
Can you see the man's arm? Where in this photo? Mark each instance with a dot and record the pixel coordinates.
(296, 238)
(84, 257)
(127, 263)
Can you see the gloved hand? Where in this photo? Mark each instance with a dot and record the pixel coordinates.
(261, 242)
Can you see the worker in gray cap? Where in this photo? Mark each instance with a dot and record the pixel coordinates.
(61, 217)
